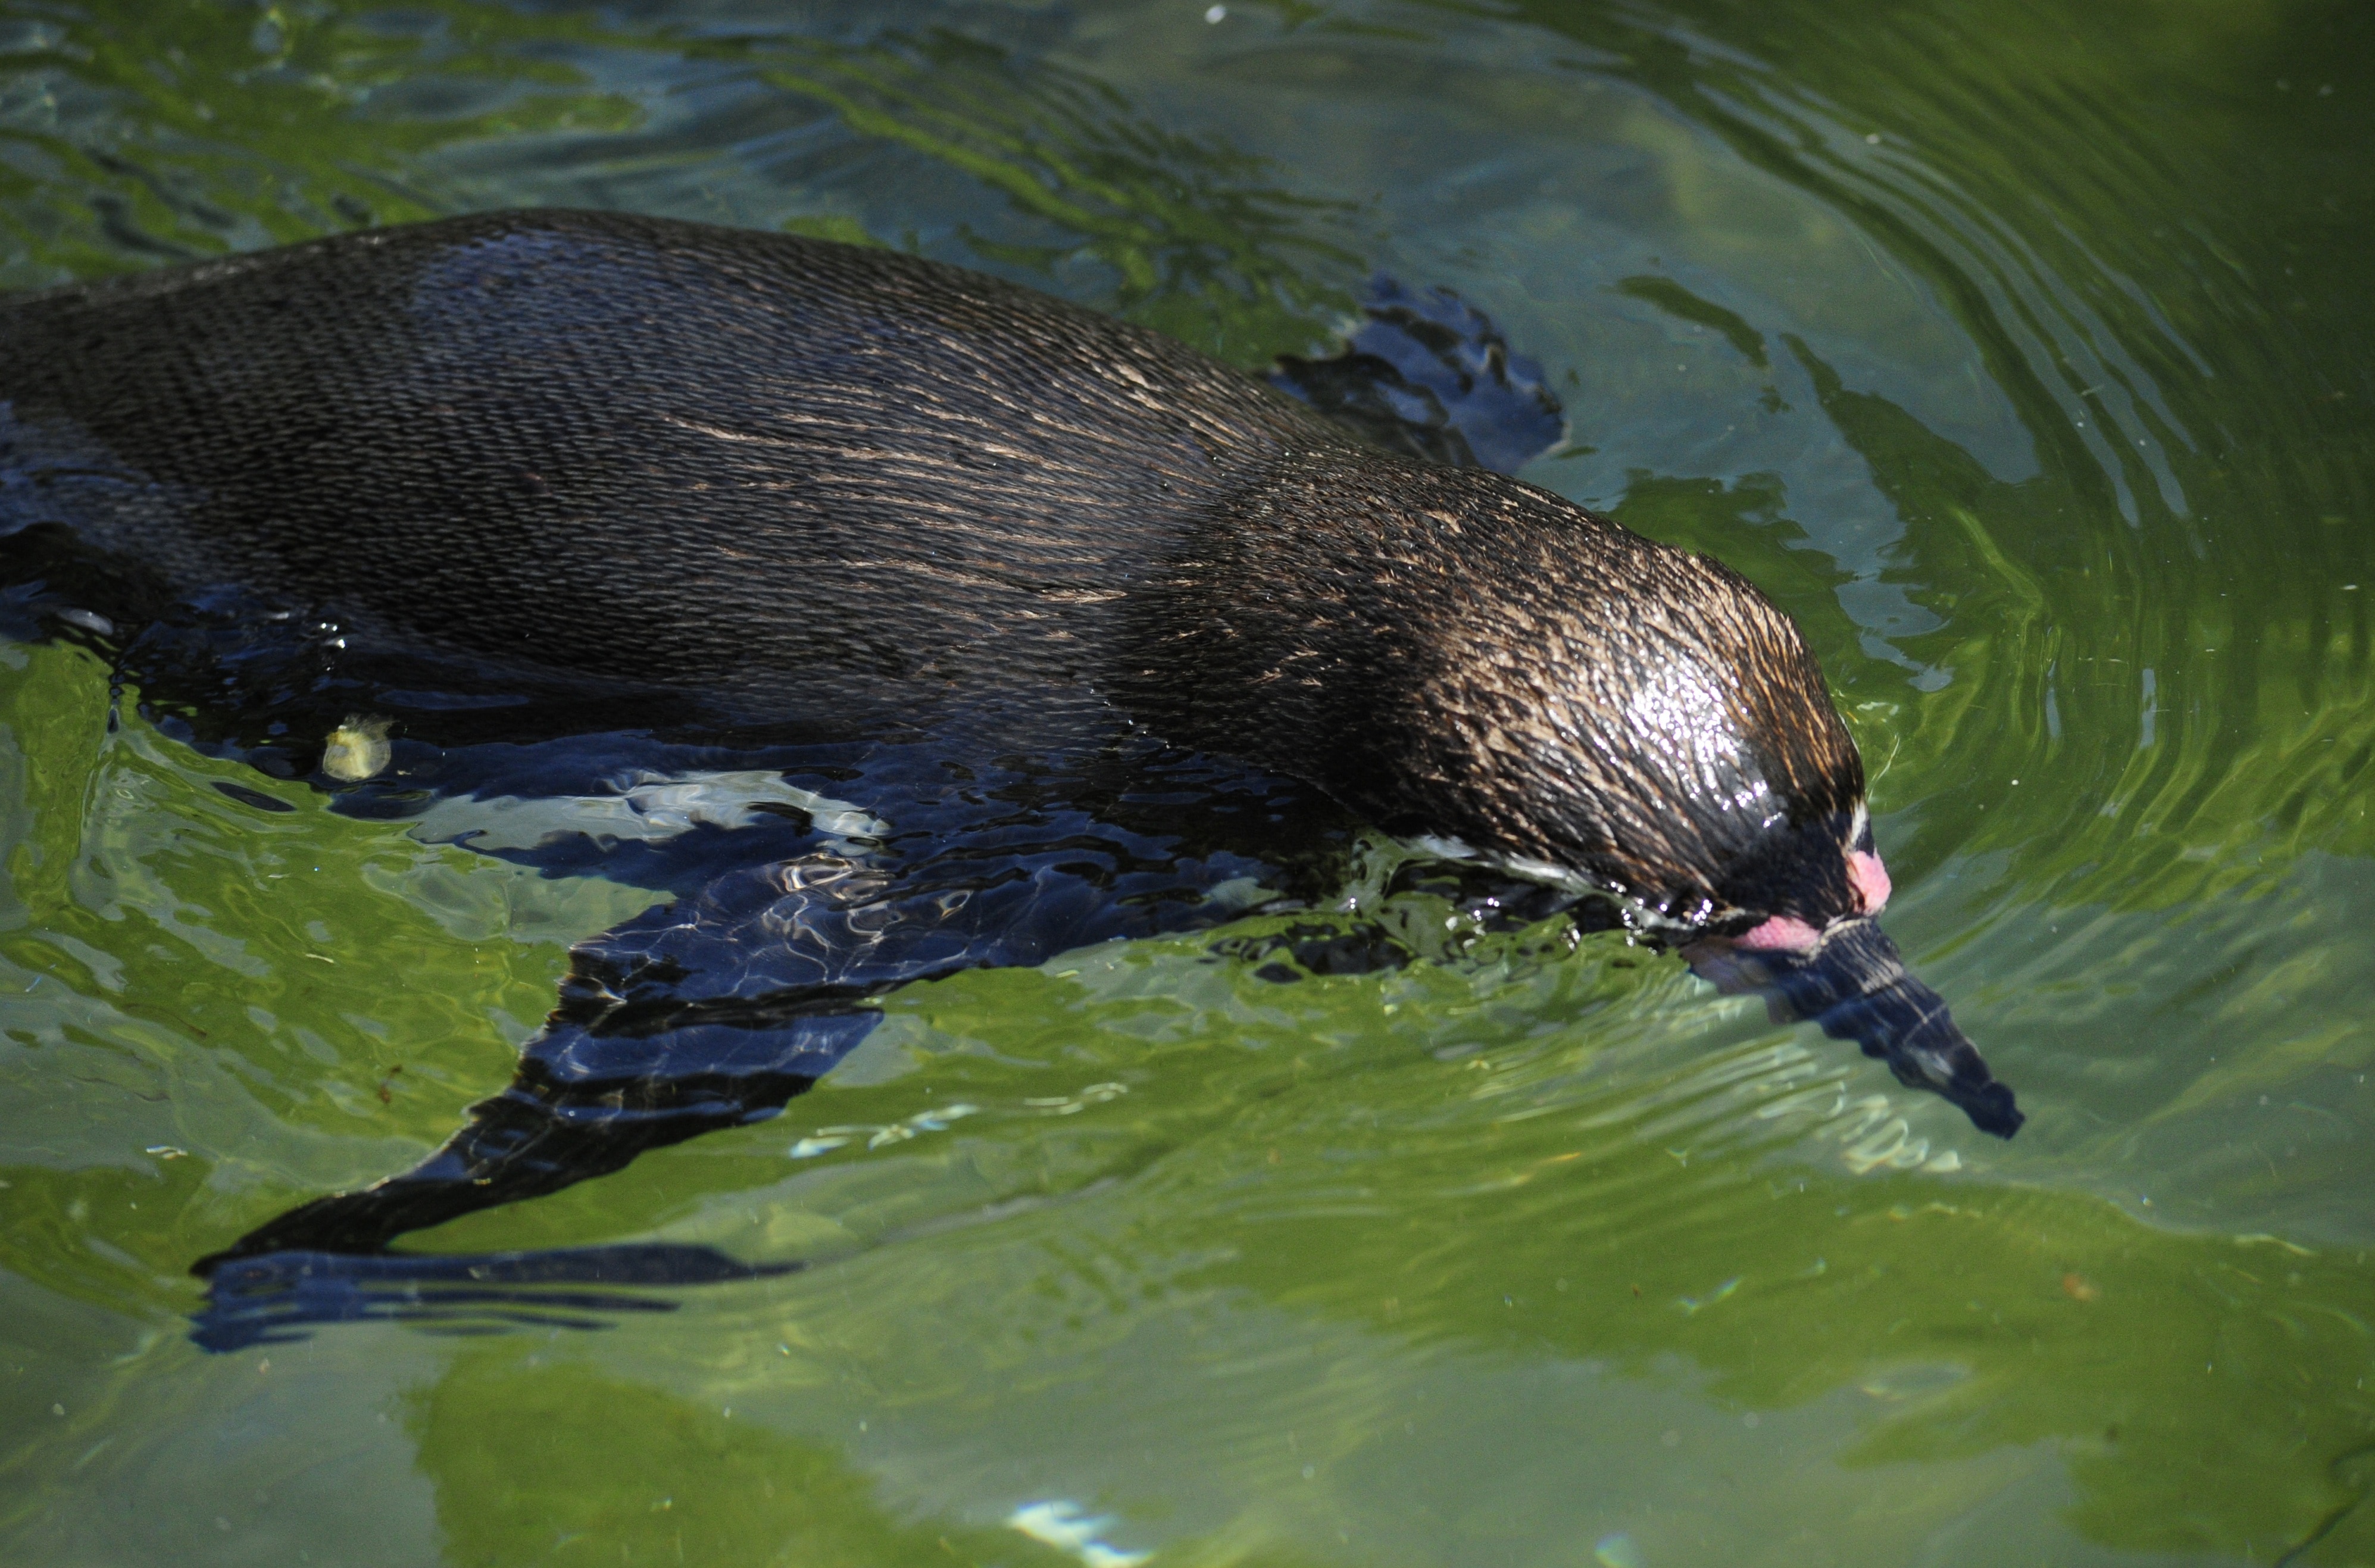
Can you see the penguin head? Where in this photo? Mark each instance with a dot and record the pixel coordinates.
(1498, 674)
(1652, 728)
(1643, 723)
(1728, 816)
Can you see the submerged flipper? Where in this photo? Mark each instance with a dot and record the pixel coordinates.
(716, 1009)
(1428, 375)
(698, 1015)
(1856, 985)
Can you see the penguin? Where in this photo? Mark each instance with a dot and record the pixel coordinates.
(607, 470)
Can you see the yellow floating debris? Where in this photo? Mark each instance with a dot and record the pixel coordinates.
(357, 749)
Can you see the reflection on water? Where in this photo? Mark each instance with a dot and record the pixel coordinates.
(277, 1301)
(2017, 350)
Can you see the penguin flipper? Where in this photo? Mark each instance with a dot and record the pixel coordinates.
(1429, 376)
(718, 1008)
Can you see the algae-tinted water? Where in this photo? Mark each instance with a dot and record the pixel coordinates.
(2021, 351)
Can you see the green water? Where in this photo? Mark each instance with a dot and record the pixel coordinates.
(2021, 350)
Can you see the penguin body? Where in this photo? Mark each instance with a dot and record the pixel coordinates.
(751, 481)
(791, 479)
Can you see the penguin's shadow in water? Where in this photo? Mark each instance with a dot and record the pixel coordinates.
(805, 874)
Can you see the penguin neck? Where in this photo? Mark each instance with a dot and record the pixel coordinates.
(1300, 623)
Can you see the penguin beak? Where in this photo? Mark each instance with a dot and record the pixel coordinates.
(1851, 980)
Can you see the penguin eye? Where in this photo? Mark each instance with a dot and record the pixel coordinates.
(1863, 830)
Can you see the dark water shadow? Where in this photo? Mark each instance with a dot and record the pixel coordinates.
(277, 1298)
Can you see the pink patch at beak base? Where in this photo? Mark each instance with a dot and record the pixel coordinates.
(1871, 880)
(1781, 933)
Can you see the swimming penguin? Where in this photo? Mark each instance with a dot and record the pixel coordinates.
(751, 481)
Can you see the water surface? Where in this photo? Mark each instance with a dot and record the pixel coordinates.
(2020, 350)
